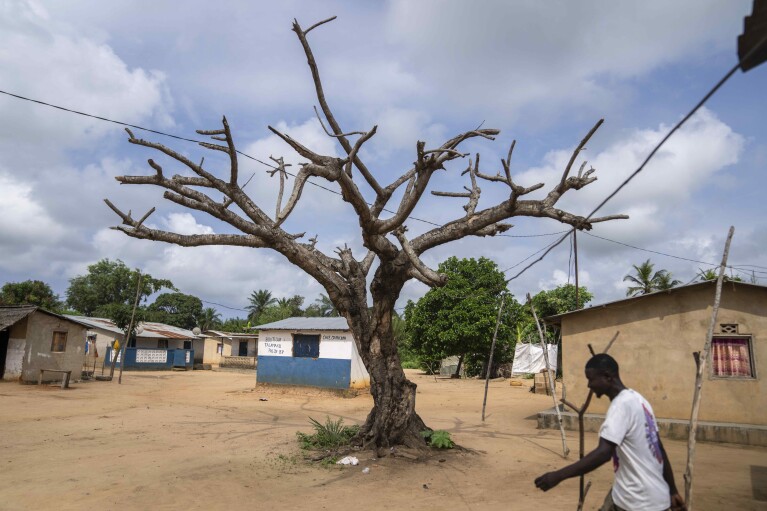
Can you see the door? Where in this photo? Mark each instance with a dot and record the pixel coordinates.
(243, 350)
(4, 336)
(306, 346)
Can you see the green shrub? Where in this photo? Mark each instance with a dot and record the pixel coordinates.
(438, 438)
(331, 435)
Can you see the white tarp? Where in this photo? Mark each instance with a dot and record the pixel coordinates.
(528, 358)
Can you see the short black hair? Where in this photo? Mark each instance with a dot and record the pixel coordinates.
(603, 362)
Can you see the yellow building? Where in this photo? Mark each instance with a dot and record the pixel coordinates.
(658, 334)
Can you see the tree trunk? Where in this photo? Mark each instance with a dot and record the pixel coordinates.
(393, 419)
(458, 367)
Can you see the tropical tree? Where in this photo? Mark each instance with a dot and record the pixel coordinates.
(258, 301)
(459, 318)
(107, 283)
(713, 274)
(177, 309)
(32, 292)
(383, 210)
(325, 306)
(666, 281)
(646, 281)
(208, 319)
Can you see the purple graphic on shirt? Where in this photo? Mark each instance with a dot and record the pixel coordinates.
(651, 433)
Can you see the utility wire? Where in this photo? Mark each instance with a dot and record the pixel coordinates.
(177, 137)
(655, 149)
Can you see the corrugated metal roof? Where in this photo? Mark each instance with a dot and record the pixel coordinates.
(10, 314)
(148, 329)
(307, 324)
(556, 318)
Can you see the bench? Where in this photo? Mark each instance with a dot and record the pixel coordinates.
(64, 381)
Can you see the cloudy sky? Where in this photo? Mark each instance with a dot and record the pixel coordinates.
(543, 73)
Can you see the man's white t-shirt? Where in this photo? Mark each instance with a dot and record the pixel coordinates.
(638, 461)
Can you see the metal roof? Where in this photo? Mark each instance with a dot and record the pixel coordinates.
(306, 324)
(10, 314)
(557, 317)
(148, 329)
(228, 335)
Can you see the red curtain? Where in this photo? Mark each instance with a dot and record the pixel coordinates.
(731, 357)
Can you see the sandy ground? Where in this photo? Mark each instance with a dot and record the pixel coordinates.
(206, 440)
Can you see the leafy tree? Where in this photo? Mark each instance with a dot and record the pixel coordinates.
(175, 309)
(110, 282)
(646, 281)
(364, 287)
(547, 303)
(32, 292)
(208, 319)
(284, 308)
(258, 301)
(120, 314)
(459, 318)
(236, 325)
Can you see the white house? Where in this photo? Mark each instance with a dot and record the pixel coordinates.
(317, 352)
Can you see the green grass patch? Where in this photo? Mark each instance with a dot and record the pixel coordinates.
(329, 436)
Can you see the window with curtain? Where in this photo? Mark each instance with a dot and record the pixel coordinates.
(732, 357)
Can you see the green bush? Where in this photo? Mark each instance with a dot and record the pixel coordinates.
(438, 438)
(331, 435)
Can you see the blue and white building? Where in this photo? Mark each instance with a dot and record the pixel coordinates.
(317, 352)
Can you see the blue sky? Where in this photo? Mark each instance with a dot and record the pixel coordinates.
(543, 73)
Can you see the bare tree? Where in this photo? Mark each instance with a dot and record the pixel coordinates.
(393, 419)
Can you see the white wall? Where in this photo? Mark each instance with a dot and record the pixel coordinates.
(274, 343)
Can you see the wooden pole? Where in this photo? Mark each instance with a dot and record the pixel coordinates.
(575, 251)
(545, 347)
(130, 329)
(492, 349)
(581, 439)
(702, 360)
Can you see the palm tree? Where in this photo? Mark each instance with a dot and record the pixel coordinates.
(712, 274)
(325, 306)
(646, 281)
(665, 281)
(209, 318)
(259, 300)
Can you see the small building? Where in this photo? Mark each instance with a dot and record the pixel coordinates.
(157, 345)
(317, 352)
(227, 349)
(32, 339)
(659, 332)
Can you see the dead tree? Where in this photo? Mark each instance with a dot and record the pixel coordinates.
(393, 419)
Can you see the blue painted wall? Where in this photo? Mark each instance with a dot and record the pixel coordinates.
(170, 362)
(314, 372)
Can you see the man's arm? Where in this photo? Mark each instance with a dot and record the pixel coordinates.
(677, 502)
(591, 461)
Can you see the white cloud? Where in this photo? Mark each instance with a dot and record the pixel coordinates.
(51, 62)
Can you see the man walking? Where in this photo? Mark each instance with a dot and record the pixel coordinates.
(644, 480)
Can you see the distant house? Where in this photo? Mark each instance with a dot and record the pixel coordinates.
(32, 338)
(317, 352)
(157, 345)
(658, 334)
(217, 347)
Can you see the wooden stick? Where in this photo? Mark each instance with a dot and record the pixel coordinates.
(702, 361)
(124, 347)
(492, 349)
(565, 449)
(581, 426)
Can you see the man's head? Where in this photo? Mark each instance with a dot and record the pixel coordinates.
(602, 374)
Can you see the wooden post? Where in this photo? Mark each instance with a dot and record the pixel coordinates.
(545, 347)
(582, 441)
(575, 251)
(127, 336)
(702, 360)
(492, 349)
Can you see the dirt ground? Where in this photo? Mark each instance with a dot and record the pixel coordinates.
(209, 440)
